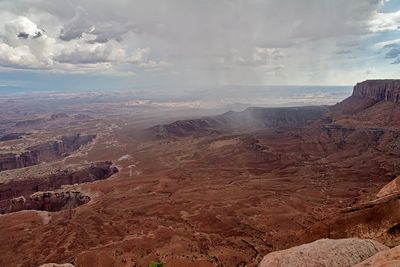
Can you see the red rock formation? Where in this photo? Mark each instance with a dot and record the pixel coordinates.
(379, 90)
(325, 252)
(386, 258)
(25, 187)
(47, 201)
(391, 188)
(44, 152)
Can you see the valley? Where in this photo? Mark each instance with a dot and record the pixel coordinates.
(123, 188)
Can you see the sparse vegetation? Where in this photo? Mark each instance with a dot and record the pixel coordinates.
(156, 264)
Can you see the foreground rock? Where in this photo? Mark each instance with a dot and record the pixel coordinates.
(387, 258)
(389, 189)
(325, 252)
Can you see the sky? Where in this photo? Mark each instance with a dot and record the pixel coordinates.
(123, 44)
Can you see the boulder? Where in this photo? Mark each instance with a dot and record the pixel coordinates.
(324, 253)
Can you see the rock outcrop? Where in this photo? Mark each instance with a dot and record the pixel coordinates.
(14, 188)
(386, 258)
(45, 201)
(325, 252)
(378, 90)
(376, 98)
(48, 151)
(389, 189)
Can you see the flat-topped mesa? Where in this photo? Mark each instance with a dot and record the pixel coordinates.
(378, 90)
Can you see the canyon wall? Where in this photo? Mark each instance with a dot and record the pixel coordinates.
(378, 90)
(47, 201)
(88, 173)
(38, 192)
(44, 152)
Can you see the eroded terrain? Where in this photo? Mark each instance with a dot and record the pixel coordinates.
(212, 191)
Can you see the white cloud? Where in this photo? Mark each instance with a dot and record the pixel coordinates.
(208, 39)
(386, 22)
(27, 46)
(396, 61)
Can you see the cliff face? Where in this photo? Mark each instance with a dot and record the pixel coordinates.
(44, 152)
(89, 173)
(47, 201)
(378, 90)
(45, 193)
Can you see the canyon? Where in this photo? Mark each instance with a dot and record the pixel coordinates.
(31, 192)
(237, 189)
(43, 152)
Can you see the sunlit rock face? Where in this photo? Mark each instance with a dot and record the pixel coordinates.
(379, 90)
(325, 252)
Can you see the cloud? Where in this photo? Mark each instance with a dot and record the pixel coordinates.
(343, 51)
(232, 39)
(393, 53)
(397, 61)
(27, 46)
(18, 57)
(77, 26)
(383, 22)
(81, 53)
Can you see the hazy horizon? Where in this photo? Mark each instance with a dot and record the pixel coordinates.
(91, 45)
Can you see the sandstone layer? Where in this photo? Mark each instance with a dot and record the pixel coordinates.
(43, 152)
(378, 90)
(324, 253)
(386, 258)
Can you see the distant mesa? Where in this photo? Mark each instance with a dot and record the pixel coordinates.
(250, 119)
(82, 117)
(368, 94)
(378, 90)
